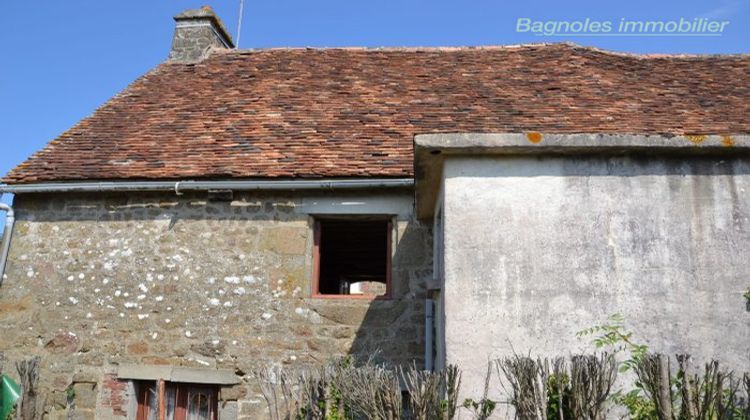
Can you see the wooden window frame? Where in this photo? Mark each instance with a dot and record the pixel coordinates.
(181, 396)
(142, 398)
(317, 231)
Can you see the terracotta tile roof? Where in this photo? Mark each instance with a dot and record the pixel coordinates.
(296, 113)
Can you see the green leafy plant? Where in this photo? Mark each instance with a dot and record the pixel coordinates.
(659, 393)
(747, 296)
(336, 409)
(638, 405)
(559, 397)
(70, 393)
(616, 338)
(481, 409)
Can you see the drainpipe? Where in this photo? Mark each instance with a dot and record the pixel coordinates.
(10, 218)
(429, 321)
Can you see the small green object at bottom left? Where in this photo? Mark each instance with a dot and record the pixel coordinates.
(10, 392)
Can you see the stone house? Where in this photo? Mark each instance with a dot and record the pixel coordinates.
(232, 209)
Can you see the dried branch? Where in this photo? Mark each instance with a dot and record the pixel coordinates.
(371, 391)
(284, 399)
(432, 395)
(654, 374)
(689, 405)
(714, 395)
(424, 393)
(28, 371)
(591, 380)
(528, 379)
(452, 387)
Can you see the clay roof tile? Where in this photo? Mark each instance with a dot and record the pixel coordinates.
(353, 112)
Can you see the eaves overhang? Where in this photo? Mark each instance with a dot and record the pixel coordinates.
(431, 150)
(179, 187)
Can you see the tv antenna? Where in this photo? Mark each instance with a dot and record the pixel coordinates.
(239, 25)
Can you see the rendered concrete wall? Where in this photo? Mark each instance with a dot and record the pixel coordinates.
(94, 282)
(537, 249)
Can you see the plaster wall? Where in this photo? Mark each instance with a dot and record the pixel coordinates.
(538, 248)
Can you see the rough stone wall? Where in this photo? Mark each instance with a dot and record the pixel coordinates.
(537, 249)
(192, 44)
(95, 282)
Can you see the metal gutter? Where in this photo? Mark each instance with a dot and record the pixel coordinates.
(7, 233)
(184, 186)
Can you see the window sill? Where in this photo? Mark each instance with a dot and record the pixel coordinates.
(352, 297)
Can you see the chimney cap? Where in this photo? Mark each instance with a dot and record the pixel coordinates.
(206, 13)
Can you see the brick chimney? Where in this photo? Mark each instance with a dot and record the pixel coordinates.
(196, 32)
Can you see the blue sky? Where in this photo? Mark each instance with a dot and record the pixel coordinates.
(62, 59)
